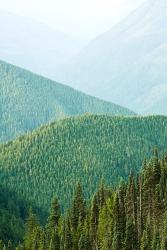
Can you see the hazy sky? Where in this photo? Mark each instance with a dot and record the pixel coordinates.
(84, 18)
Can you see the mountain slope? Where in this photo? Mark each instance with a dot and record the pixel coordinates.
(28, 101)
(51, 160)
(13, 215)
(127, 64)
(33, 45)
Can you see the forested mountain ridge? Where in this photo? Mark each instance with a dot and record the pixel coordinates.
(28, 101)
(131, 217)
(127, 63)
(54, 158)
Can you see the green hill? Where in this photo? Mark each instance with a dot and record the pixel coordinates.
(51, 160)
(28, 101)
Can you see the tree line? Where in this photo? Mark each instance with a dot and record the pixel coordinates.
(132, 216)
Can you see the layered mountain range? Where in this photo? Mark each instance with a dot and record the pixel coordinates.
(28, 101)
(127, 64)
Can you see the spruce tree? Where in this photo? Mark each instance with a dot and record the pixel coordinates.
(131, 201)
(164, 234)
(117, 241)
(31, 229)
(54, 243)
(156, 239)
(52, 227)
(131, 237)
(84, 243)
(94, 219)
(156, 167)
(119, 218)
(105, 225)
(42, 241)
(68, 240)
(146, 237)
(54, 215)
(78, 212)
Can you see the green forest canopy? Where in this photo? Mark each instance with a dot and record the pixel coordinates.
(131, 217)
(28, 101)
(51, 160)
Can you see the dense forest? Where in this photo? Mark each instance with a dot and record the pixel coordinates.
(28, 101)
(78, 172)
(131, 217)
(51, 160)
(13, 212)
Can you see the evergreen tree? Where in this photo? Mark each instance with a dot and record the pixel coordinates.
(146, 237)
(117, 241)
(156, 240)
(54, 215)
(105, 225)
(52, 227)
(119, 217)
(156, 167)
(101, 194)
(78, 212)
(42, 241)
(164, 234)
(54, 242)
(84, 243)
(132, 217)
(131, 203)
(131, 237)
(31, 230)
(68, 240)
(94, 222)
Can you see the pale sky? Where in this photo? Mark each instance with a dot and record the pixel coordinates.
(82, 18)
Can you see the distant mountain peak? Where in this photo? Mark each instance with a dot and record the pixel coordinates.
(126, 63)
